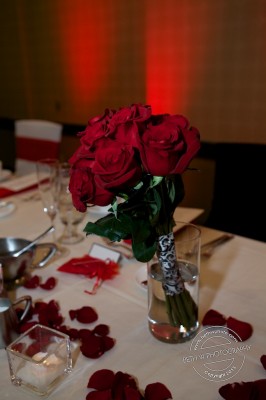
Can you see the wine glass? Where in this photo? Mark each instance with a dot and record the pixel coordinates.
(69, 216)
(48, 185)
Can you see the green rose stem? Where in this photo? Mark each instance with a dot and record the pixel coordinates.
(181, 308)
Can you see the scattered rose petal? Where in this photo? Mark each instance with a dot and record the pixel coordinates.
(84, 334)
(32, 283)
(242, 329)
(213, 317)
(92, 348)
(121, 381)
(49, 315)
(73, 333)
(63, 329)
(107, 343)
(101, 380)
(72, 314)
(38, 306)
(101, 330)
(244, 390)
(49, 284)
(260, 386)
(95, 346)
(263, 361)
(157, 391)
(102, 395)
(94, 343)
(33, 348)
(20, 347)
(109, 386)
(84, 314)
(132, 394)
(27, 325)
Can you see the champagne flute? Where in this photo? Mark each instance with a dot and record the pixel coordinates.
(69, 216)
(48, 185)
(47, 176)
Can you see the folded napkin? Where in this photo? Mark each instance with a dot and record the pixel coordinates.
(18, 185)
(92, 268)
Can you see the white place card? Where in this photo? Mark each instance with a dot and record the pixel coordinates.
(103, 253)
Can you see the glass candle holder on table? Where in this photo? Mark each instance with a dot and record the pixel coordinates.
(39, 359)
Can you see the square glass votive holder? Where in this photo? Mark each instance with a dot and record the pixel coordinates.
(39, 359)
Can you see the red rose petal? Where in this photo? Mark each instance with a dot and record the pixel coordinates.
(49, 284)
(73, 333)
(107, 343)
(49, 315)
(102, 395)
(63, 329)
(242, 329)
(101, 380)
(72, 314)
(132, 394)
(122, 380)
(86, 315)
(213, 317)
(32, 283)
(85, 334)
(238, 391)
(20, 347)
(92, 348)
(33, 348)
(263, 361)
(38, 306)
(260, 386)
(27, 325)
(157, 391)
(101, 330)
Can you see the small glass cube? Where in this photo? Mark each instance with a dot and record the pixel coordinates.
(39, 359)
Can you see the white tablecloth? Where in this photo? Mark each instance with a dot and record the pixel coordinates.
(232, 282)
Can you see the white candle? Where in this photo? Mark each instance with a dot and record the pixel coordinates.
(42, 371)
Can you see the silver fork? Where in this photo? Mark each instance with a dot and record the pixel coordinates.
(33, 196)
(207, 249)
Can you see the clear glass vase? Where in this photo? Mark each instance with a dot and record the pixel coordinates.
(173, 285)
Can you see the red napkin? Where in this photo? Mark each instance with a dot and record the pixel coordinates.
(5, 192)
(92, 268)
(18, 184)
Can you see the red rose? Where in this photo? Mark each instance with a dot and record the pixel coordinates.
(97, 128)
(136, 112)
(127, 122)
(116, 167)
(168, 145)
(82, 152)
(83, 188)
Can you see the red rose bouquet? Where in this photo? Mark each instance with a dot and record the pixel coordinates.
(133, 155)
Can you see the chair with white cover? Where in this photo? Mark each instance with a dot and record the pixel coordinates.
(35, 139)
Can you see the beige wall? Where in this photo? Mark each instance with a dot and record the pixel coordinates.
(215, 52)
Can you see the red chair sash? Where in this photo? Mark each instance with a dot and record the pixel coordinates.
(32, 149)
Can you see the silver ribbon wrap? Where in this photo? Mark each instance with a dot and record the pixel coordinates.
(173, 282)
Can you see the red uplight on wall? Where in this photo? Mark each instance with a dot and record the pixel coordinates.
(176, 45)
(85, 34)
